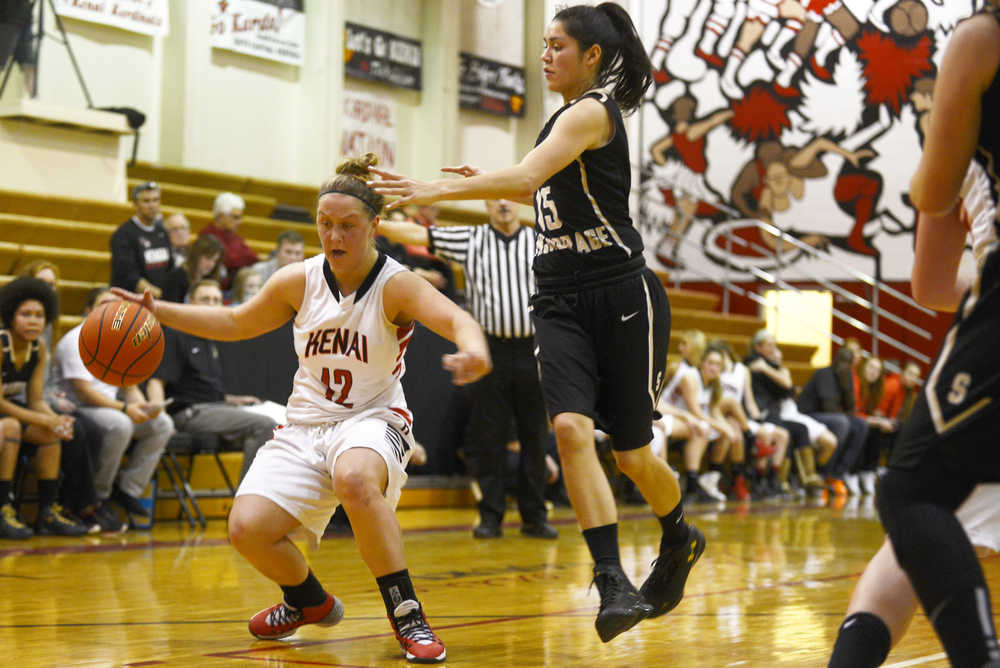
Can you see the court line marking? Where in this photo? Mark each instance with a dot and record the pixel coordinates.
(199, 541)
(587, 611)
(917, 661)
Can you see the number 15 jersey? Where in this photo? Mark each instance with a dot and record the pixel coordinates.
(350, 355)
(581, 211)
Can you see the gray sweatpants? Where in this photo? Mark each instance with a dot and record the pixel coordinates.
(242, 429)
(150, 440)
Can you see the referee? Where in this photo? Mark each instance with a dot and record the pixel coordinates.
(497, 260)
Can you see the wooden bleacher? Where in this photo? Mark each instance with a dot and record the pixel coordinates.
(74, 233)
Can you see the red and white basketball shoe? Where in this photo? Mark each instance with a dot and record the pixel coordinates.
(282, 620)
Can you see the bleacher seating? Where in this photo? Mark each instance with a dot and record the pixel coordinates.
(74, 234)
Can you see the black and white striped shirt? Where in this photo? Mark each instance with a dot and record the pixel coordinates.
(498, 278)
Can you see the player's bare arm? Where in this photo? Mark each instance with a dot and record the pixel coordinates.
(954, 121)
(584, 126)
(276, 303)
(408, 297)
(966, 72)
(404, 232)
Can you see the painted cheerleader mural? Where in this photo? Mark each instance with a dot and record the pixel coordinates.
(778, 126)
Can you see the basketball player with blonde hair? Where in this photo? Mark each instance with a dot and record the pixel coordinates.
(349, 432)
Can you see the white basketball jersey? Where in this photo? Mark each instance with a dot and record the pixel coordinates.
(672, 393)
(978, 211)
(734, 382)
(350, 355)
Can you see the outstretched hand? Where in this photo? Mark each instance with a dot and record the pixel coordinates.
(466, 367)
(145, 299)
(406, 189)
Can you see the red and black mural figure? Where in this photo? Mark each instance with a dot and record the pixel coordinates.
(778, 126)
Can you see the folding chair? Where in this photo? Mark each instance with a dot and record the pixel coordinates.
(190, 445)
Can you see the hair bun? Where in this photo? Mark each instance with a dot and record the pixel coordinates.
(358, 167)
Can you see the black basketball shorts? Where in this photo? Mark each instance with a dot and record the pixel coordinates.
(602, 352)
(955, 418)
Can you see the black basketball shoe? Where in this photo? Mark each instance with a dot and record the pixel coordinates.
(664, 588)
(621, 605)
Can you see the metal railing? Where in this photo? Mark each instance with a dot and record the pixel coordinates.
(772, 276)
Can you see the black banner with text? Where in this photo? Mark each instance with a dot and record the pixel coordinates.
(382, 56)
(490, 86)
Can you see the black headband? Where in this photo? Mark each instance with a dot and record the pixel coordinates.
(339, 191)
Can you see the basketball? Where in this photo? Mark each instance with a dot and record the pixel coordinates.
(908, 18)
(121, 343)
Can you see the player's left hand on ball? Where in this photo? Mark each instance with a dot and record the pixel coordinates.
(466, 367)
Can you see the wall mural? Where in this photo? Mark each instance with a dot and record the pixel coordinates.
(804, 114)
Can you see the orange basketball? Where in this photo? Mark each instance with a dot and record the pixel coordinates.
(121, 343)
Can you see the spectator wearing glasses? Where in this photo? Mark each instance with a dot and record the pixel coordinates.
(141, 253)
(179, 230)
(228, 212)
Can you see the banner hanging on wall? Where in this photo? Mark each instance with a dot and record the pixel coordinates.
(490, 86)
(368, 125)
(382, 56)
(269, 29)
(148, 17)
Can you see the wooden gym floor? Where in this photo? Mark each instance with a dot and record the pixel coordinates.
(770, 590)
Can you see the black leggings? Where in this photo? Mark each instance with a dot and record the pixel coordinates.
(917, 508)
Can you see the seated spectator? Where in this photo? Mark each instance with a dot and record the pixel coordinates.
(179, 231)
(909, 382)
(696, 391)
(769, 440)
(828, 396)
(691, 347)
(141, 254)
(227, 213)
(123, 419)
(879, 401)
(26, 305)
(43, 270)
(48, 273)
(773, 391)
(191, 375)
(291, 247)
(204, 260)
(246, 284)
(78, 460)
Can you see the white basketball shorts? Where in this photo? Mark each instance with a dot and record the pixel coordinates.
(295, 468)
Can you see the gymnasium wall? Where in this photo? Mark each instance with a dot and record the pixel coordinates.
(213, 109)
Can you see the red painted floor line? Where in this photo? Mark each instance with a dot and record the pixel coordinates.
(47, 550)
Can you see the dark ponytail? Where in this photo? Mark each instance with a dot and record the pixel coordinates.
(623, 58)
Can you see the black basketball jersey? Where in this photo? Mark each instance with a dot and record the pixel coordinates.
(581, 211)
(15, 381)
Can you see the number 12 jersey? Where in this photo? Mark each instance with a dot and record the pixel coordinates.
(350, 354)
